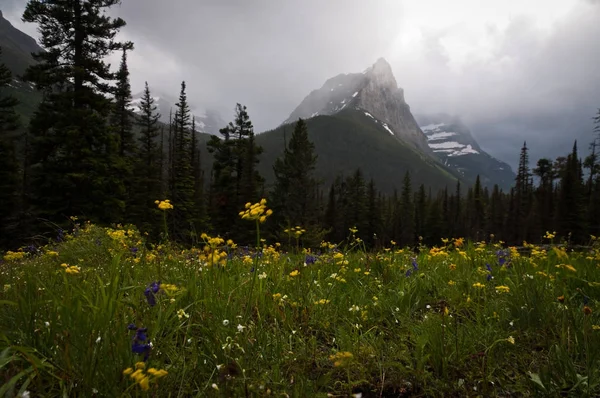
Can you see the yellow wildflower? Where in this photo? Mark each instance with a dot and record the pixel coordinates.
(511, 340)
(164, 204)
(341, 359)
(14, 256)
(502, 289)
(478, 285)
(294, 273)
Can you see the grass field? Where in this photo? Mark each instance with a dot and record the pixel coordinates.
(100, 313)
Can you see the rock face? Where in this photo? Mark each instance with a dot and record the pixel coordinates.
(374, 91)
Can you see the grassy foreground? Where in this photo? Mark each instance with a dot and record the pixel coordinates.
(101, 314)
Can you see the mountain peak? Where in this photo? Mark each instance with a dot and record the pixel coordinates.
(382, 75)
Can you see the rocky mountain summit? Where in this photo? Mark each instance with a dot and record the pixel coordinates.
(375, 92)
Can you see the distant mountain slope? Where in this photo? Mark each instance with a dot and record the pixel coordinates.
(16, 55)
(453, 143)
(207, 121)
(351, 139)
(17, 47)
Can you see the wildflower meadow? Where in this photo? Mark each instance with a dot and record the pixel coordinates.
(102, 312)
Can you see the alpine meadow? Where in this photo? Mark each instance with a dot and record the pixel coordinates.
(355, 247)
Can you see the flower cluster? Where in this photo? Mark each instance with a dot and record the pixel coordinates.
(144, 378)
(257, 211)
(70, 269)
(164, 204)
(296, 231)
(14, 256)
(341, 359)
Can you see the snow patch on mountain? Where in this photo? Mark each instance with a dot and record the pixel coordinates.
(440, 136)
(385, 126)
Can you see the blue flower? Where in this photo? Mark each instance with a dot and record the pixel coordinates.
(489, 268)
(133, 250)
(310, 259)
(414, 264)
(489, 277)
(138, 343)
(408, 273)
(150, 291)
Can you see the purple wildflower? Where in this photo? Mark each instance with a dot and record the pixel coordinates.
(138, 343)
(150, 291)
(414, 264)
(310, 259)
(408, 273)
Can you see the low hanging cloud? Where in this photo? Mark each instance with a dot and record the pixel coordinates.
(510, 80)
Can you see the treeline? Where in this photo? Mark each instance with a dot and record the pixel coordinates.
(86, 153)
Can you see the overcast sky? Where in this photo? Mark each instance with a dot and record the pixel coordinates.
(514, 70)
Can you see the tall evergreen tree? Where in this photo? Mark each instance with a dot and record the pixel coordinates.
(223, 201)
(235, 179)
(522, 195)
(122, 118)
(148, 167)
(571, 201)
(9, 165)
(295, 189)
(74, 156)
(182, 176)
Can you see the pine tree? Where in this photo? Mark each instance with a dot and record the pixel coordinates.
(522, 196)
(236, 180)
(9, 165)
(122, 118)
(75, 168)
(223, 189)
(571, 201)
(182, 185)
(544, 197)
(147, 168)
(495, 214)
(295, 188)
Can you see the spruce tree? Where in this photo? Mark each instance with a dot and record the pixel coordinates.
(522, 196)
(223, 201)
(122, 117)
(571, 201)
(9, 165)
(236, 180)
(182, 191)
(295, 188)
(148, 167)
(75, 168)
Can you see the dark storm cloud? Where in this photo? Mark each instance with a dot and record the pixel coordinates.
(539, 84)
(267, 55)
